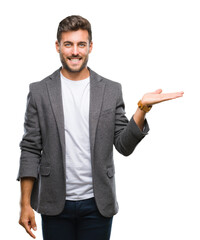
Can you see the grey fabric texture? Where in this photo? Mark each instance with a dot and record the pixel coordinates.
(43, 142)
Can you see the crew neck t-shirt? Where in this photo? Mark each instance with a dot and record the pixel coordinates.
(76, 99)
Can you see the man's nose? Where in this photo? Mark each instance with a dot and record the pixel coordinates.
(75, 50)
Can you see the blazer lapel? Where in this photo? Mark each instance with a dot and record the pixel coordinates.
(55, 95)
(96, 97)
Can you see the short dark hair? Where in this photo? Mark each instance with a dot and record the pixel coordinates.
(74, 23)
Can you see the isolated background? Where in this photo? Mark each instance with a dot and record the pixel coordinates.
(144, 45)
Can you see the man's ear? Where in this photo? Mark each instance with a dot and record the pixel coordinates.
(57, 46)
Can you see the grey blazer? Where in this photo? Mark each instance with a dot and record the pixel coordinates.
(43, 142)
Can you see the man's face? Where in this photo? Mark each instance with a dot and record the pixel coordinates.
(74, 49)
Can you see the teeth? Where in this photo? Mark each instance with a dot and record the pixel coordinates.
(74, 60)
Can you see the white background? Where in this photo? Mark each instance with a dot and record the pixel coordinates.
(144, 45)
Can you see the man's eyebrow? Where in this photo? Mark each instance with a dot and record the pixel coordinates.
(72, 42)
(68, 42)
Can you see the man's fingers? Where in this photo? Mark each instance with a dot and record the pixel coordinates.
(33, 223)
(158, 91)
(27, 220)
(158, 97)
(27, 227)
(169, 96)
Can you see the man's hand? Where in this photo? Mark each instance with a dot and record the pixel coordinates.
(27, 216)
(150, 99)
(27, 219)
(157, 97)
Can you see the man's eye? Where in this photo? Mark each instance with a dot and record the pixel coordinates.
(82, 45)
(67, 44)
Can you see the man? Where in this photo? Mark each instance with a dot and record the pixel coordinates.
(73, 119)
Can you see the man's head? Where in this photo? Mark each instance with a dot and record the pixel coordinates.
(74, 43)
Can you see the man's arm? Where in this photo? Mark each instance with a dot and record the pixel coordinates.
(27, 216)
(150, 99)
(31, 146)
(129, 133)
(139, 118)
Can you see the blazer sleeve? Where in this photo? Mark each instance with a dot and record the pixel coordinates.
(127, 134)
(31, 144)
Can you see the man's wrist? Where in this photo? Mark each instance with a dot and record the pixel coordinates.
(144, 107)
(25, 203)
(139, 118)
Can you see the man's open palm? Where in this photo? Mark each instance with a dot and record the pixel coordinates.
(157, 97)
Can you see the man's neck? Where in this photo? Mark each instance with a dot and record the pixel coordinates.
(75, 76)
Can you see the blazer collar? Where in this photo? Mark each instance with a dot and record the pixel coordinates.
(93, 75)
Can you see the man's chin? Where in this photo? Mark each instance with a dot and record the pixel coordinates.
(72, 70)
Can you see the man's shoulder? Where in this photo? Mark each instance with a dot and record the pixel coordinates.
(42, 83)
(108, 81)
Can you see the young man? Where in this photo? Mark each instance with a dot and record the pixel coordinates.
(73, 119)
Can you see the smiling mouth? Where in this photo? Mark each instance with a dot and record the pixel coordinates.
(74, 60)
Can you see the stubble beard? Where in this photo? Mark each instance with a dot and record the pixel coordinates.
(69, 69)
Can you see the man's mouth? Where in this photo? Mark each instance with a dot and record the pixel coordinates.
(75, 59)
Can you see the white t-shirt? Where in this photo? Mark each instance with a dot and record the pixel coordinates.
(76, 99)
